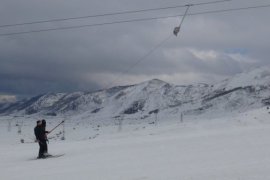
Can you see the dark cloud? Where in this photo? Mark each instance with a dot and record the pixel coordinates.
(210, 47)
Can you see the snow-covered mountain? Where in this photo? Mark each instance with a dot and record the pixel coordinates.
(239, 93)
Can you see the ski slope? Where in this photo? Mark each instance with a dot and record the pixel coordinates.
(235, 147)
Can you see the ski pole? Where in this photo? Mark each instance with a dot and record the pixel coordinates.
(57, 126)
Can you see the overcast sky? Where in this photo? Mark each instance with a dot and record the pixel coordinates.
(209, 48)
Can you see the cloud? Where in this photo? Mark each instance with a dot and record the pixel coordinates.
(7, 98)
(209, 48)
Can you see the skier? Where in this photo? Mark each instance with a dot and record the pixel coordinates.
(40, 134)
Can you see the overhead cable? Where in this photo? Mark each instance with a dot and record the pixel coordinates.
(133, 20)
(109, 14)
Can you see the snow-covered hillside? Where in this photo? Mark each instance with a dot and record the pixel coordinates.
(239, 93)
(235, 147)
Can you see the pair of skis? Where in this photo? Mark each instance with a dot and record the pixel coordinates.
(49, 157)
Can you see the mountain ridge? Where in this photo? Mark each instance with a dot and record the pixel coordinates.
(242, 91)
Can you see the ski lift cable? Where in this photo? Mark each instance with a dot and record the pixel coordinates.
(134, 20)
(109, 14)
(144, 57)
(177, 29)
(151, 51)
(182, 20)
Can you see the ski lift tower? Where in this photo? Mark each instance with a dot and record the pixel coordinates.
(120, 120)
(9, 124)
(63, 134)
(156, 111)
(19, 124)
(181, 117)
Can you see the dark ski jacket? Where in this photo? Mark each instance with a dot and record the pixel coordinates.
(40, 133)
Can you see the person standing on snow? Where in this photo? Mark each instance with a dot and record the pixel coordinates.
(41, 137)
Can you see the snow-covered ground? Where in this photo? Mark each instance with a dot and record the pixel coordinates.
(235, 147)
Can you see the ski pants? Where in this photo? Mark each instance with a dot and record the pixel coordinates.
(43, 147)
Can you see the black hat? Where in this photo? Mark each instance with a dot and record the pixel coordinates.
(43, 121)
(38, 121)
